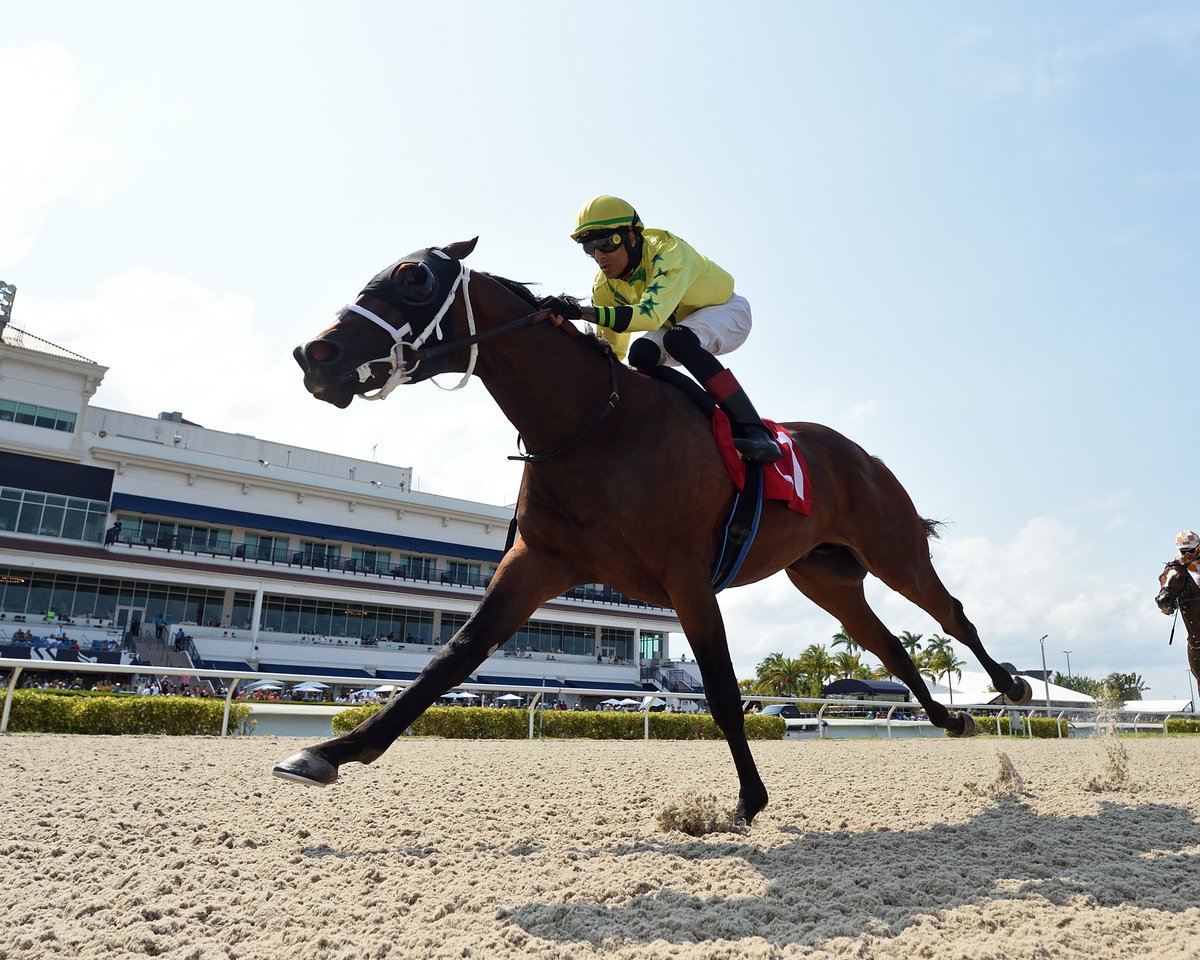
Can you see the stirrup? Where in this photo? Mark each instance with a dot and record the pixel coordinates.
(758, 446)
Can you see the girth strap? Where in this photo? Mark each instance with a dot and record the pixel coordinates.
(741, 528)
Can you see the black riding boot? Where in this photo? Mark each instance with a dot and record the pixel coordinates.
(751, 437)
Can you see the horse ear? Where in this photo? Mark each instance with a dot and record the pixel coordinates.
(462, 249)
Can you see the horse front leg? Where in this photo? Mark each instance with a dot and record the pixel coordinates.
(704, 628)
(522, 583)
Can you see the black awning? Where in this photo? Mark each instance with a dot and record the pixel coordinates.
(865, 689)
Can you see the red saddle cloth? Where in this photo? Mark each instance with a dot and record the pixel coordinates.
(785, 479)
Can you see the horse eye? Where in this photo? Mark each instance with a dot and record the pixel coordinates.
(417, 283)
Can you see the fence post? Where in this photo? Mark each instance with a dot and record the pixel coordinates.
(8, 697)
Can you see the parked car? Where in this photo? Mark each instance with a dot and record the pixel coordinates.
(795, 720)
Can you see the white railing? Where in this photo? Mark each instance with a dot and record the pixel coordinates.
(1097, 719)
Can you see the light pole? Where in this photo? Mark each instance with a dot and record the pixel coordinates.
(1045, 679)
(1068, 653)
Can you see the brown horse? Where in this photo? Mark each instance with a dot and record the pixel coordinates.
(1177, 592)
(626, 487)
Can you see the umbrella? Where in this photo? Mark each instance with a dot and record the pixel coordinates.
(653, 702)
(468, 696)
(266, 686)
(257, 684)
(452, 695)
(610, 702)
(628, 702)
(509, 696)
(310, 686)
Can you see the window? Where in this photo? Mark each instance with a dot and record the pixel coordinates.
(415, 568)
(262, 547)
(459, 572)
(51, 515)
(371, 561)
(50, 418)
(313, 554)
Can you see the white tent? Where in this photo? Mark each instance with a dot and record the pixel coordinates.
(1157, 706)
(510, 696)
(973, 687)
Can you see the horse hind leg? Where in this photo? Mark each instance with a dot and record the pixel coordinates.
(833, 579)
(903, 564)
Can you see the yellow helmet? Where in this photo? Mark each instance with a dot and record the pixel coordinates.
(605, 213)
(1186, 541)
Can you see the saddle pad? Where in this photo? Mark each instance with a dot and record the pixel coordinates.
(785, 479)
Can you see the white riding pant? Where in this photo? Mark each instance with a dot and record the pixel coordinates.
(720, 329)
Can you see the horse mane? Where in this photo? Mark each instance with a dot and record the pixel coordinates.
(932, 528)
(522, 290)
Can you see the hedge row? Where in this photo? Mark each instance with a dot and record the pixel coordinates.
(1180, 725)
(43, 711)
(498, 723)
(1047, 728)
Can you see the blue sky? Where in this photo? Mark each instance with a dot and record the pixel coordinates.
(967, 230)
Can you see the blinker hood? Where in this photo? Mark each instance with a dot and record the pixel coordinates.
(418, 301)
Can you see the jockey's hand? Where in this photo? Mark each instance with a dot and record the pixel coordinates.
(561, 308)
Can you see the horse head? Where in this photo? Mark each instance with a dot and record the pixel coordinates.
(1173, 583)
(380, 339)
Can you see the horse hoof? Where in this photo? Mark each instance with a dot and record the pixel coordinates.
(746, 811)
(308, 769)
(968, 726)
(1021, 693)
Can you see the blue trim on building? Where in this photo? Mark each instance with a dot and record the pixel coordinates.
(613, 685)
(352, 672)
(176, 510)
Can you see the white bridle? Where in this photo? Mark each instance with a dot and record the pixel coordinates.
(395, 357)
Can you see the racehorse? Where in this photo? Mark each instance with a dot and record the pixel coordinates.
(626, 488)
(1178, 592)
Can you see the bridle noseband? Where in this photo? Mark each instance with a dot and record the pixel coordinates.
(400, 371)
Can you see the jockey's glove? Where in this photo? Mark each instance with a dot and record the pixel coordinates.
(563, 306)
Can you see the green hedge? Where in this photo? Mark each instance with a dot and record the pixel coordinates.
(1181, 725)
(44, 711)
(496, 723)
(1047, 728)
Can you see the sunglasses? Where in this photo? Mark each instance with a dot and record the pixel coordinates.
(605, 244)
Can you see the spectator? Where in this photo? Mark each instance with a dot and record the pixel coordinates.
(160, 625)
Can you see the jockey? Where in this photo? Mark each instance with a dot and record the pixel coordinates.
(1187, 545)
(652, 281)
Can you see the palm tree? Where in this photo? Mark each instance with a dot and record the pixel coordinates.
(817, 666)
(912, 643)
(850, 666)
(843, 639)
(942, 662)
(780, 676)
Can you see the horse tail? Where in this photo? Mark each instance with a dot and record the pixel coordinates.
(931, 528)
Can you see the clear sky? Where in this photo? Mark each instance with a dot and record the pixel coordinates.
(968, 232)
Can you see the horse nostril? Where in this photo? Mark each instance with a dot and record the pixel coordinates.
(318, 351)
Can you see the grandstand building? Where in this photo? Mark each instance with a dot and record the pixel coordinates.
(264, 556)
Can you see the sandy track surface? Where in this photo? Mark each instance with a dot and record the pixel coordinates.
(188, 848)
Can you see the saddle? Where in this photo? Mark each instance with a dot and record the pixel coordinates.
(786, 479)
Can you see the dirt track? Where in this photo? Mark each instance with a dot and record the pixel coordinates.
(188, 848)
